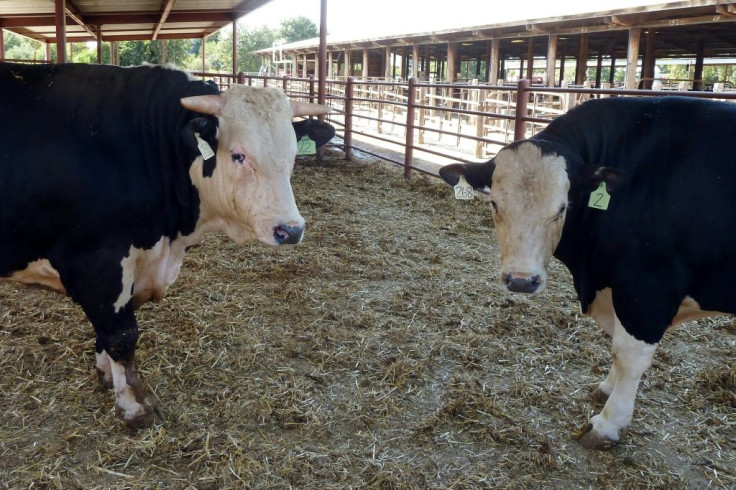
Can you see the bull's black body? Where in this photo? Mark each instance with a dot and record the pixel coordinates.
(670, 229)
(94, 160)
(318, 131)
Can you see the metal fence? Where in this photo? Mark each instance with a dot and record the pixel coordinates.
(421, 126)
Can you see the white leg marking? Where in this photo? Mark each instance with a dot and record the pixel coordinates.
(631, 358)
(103, 367)
(124, 393)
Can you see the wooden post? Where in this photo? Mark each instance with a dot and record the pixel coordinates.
(425, 66)
(305, 66)
(329, 64)
(522, 98)
(582, 63)
(163, 52)
(632, 58)
(698, 74)
(204, 42)
(599, 69)
(2, 43)
(415, 61)
(366, 62)
(235, 48)
(551, 60)
(612, 75)
(452, 62)
(494, 61)
(647, 67)
(60, 12)
(348, 137)
(71, 53)
(410, 123)
(530, 60)
(98, 29)
(348, 64)
(387, 63)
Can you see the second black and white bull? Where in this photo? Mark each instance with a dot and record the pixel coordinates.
(659, 250)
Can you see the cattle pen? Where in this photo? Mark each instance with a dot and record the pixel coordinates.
(421, 126)
(379, 353)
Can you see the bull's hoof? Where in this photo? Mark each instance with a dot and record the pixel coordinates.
(599, 396)
(146, 416)
(590, 439)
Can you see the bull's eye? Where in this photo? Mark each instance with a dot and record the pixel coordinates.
(238, 158)
(560, 213)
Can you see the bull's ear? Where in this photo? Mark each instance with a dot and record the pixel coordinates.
(299, 108)
(479, 175)
(206, 104)
(592, 175)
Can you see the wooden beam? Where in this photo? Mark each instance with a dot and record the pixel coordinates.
(582, 60)
(165, 11)
(530, 60)
(551, 60)
(235, 48)
(494, 61)
(632, 58)
(366, 61)
(72, 11)
(2, 44)
(60, 8)
(453, 60)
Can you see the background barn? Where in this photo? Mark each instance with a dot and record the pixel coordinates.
(380, 353)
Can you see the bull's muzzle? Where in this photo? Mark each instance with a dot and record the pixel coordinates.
(285, 234)
(521, 283)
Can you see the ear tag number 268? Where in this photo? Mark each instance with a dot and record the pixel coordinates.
(599, 198)
(463, 190)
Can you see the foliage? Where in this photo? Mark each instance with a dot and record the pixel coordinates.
(297, 29)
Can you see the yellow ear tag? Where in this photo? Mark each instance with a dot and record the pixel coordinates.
(204, 148)
(463, 190)
(599, 198)
(306, 146)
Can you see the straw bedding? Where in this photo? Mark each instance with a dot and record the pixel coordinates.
(379, 353)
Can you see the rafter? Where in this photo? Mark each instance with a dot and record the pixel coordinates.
(72, 11)
(166, 6)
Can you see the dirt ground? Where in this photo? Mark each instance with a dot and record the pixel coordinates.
(379, 353)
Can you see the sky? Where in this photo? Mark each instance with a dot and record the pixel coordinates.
(354, 19)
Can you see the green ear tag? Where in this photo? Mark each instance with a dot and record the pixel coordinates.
(599, 198)
(463, 190)
(306, 146)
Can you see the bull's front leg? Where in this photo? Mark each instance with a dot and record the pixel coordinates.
(631, 358)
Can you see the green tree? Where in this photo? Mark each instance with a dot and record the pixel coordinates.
(250, 41)
(298, 29)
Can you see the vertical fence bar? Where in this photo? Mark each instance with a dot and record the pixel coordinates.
(286, 84)
(348, 139)
(311, 89)
(241, 78)
(522, 97)
(410, 109)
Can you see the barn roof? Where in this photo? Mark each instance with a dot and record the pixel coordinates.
(122, 20)
(682, 30)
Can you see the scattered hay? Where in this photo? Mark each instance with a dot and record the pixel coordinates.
(380, 353)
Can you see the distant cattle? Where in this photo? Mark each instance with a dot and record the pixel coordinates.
(637, 197)
(318, 131)
(108, 174)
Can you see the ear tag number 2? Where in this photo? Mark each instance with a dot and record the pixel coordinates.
(463, 190)
(599, 198)
(204, 148)
(306, 146)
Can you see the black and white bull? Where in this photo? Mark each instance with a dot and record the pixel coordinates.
(659, 250)
(108, 174)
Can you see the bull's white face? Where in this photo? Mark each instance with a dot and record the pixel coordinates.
(249, 195)
(529, 200)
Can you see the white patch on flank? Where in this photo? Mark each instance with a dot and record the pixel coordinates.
(631, 358)
(124, 396)
(103, 364)
(38, 273)
(529, 190)
(148, 273)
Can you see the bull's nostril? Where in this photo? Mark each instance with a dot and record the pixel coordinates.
(534, 281)
(288, 234)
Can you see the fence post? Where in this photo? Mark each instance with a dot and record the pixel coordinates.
(410, 109)
(311, 89)
(522, 97)
(348, 139)
(286, 84)
(241, 78)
